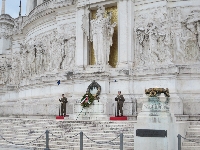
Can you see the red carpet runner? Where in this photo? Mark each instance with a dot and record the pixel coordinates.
(118, 118)
(59, 117)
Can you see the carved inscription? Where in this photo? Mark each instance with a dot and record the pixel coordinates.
(151, 133)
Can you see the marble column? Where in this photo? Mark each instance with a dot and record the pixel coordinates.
(3, 7)
(126, 26)
(29, 6)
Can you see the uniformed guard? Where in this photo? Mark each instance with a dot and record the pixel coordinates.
(120, 101)
(63, 101)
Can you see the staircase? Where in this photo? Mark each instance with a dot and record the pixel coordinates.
(192, 134)
(22, 134)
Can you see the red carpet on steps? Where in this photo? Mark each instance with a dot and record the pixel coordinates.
(118, 118)
(59, 117)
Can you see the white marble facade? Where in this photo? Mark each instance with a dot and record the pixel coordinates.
(158, 46)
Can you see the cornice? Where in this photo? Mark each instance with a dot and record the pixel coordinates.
(6, 19)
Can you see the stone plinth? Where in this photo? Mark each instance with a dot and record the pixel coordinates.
(155, 116)
(96, 111)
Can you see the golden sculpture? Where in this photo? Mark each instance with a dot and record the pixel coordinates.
(153, 92)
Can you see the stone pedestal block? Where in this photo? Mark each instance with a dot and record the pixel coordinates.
(163, 122)
(156, 118)
(96, 111)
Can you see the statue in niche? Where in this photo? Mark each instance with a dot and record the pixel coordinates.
(109, 35)
(102, 33)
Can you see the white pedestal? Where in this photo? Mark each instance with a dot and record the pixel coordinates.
(96, 111)
(157, 118)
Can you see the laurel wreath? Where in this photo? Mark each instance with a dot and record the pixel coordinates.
(90, 100)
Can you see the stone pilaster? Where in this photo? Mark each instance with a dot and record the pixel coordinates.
(81, 46)
(126, 26)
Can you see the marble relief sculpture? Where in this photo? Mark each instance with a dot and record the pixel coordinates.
(102, 33)
(47, 52)
(185, 35)
(69, 51)
(192, 47)
(152, 41)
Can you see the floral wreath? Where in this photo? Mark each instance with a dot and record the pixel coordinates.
(88, 98)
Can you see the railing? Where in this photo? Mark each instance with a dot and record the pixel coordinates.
(81, 140)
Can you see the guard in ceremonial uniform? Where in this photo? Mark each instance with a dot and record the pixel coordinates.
(63, 101)
(120, 101)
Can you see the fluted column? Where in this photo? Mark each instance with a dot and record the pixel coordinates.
(3, 7)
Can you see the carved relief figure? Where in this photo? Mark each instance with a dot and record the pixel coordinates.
(152, 41)
(69, 52)
(31, 60)
(14, 75)
(39, 58)
(177, 40)
(142, 45)
(4, 70)
(192, 45)
(43, 53)
(23, 62)
(102, 32)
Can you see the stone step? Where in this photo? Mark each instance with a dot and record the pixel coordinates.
(194, 126)
(190, 148)
(192, 136)
(195, 123)
(191, 144)
(194, 129)
(193, 133)
(98, 131)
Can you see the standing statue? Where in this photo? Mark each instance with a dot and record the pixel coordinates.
(102, 33)
(120, 101)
